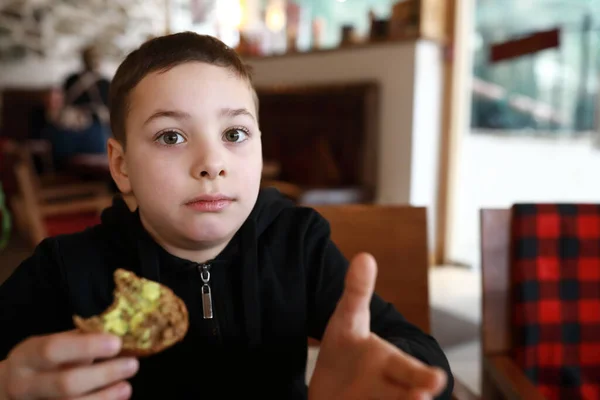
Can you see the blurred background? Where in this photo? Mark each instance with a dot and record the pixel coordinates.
(450, 105)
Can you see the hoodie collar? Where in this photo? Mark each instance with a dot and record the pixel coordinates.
(129, 231)
(155, 260)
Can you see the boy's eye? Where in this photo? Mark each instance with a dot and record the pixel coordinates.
(236, 135)
(171, 138)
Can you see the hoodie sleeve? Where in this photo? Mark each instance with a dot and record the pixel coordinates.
(327, 271)
(33, 300)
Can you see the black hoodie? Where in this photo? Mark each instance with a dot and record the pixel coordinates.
(275, 284)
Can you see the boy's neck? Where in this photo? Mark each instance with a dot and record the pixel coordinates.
(200, 254)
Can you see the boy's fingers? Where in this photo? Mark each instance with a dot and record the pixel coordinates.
(417, 395)
(408, 371)
(81, 380)
(48, 352)
(386, 389)
(119, 391)
(358, 290)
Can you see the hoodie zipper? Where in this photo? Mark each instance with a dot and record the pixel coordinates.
(207, 307)
(207, 301)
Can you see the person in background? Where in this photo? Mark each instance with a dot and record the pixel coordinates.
(88, 89)
(70, 131)
(76, 114)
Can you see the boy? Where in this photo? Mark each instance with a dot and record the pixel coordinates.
(187, 145)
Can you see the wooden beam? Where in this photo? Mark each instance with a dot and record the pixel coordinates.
(455, 117)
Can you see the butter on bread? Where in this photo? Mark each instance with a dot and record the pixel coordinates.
(147, 316)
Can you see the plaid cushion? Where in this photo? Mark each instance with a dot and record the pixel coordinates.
(556, 310)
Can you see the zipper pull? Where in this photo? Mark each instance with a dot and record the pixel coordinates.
(206, 293)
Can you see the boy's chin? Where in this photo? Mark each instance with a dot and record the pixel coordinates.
(209, 232)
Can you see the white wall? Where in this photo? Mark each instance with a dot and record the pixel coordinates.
(409, 74)
(427, 111)
(34, 73)
(497, 171)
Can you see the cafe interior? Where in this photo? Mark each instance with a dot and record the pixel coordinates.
(455, 140)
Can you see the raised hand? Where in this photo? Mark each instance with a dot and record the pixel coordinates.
(354, 363)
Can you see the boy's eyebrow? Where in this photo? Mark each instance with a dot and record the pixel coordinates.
(234, 112)
(168, 114)
(225, 112)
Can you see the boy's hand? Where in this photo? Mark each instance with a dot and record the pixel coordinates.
(61, 366)
(354, 363)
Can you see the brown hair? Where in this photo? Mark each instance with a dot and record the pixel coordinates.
(161, 54)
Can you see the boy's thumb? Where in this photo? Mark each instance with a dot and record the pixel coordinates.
(353, 308)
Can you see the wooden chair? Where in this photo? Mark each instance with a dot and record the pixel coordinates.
(11, 151)
(47, 210)
(46, 182)
(500, 376)
(555, 249)
(397, 237)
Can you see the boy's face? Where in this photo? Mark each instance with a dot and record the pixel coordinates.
(193, 158)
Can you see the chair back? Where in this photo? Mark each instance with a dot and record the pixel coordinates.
(541, 294)
(397, 237)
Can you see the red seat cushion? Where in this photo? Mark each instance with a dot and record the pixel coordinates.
(70, 223)
(556, 309)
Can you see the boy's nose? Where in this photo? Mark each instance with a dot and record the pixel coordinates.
(212, 172)
(210, 167)
(209, 159)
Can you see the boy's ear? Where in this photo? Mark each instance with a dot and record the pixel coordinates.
(118, 165)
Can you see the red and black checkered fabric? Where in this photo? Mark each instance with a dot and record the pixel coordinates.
(556, 309)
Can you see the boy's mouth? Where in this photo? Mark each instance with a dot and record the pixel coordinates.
(210, 202)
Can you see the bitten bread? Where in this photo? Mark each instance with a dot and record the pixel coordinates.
(147, 316)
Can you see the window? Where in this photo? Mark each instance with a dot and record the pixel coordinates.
(554, 90)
